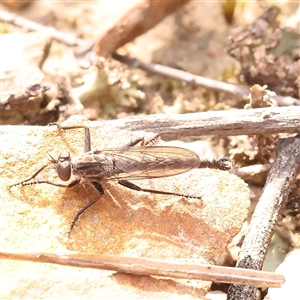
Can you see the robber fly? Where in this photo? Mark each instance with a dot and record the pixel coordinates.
(130, 162)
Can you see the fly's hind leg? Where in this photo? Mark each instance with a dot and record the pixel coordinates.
(135, 187)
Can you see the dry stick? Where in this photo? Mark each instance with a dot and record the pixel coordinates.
(268, 120)
(155, 267)
(281, 177)
(248, 173)
(192, 79)
(183, 76)
(85, 46)
(66, 38)
(223, 123)
(135, 21)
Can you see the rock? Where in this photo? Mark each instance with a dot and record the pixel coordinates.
(123, 222)
(22, 57)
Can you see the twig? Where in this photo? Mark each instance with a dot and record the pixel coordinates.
(136, 20)
(183, 76)
(279, 182)
(252, 170)
(155, 267)
(66, 38)
(285, 101)
(223, 123)
(192, 79)
(252, 173)
(83, 52)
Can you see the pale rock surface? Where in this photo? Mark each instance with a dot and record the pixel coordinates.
(123, 222)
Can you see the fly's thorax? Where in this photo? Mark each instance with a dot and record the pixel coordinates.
(93, 165)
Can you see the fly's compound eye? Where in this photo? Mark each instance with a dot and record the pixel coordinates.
(63, 167)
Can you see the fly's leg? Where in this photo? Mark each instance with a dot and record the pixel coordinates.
(131, 144)
(99, 188)
(71, 184)
(152, 142)
(25, 181)
(66, 127)
(135, 187)
(29, 182)
(87, 135)
(87, 139)
(143, 142)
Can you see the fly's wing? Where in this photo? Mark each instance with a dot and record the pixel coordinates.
(151, 162)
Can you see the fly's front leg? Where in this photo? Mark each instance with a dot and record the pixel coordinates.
(62, 127)
(99, 188)
(29, 182)
(25, 181)
(87, 135)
